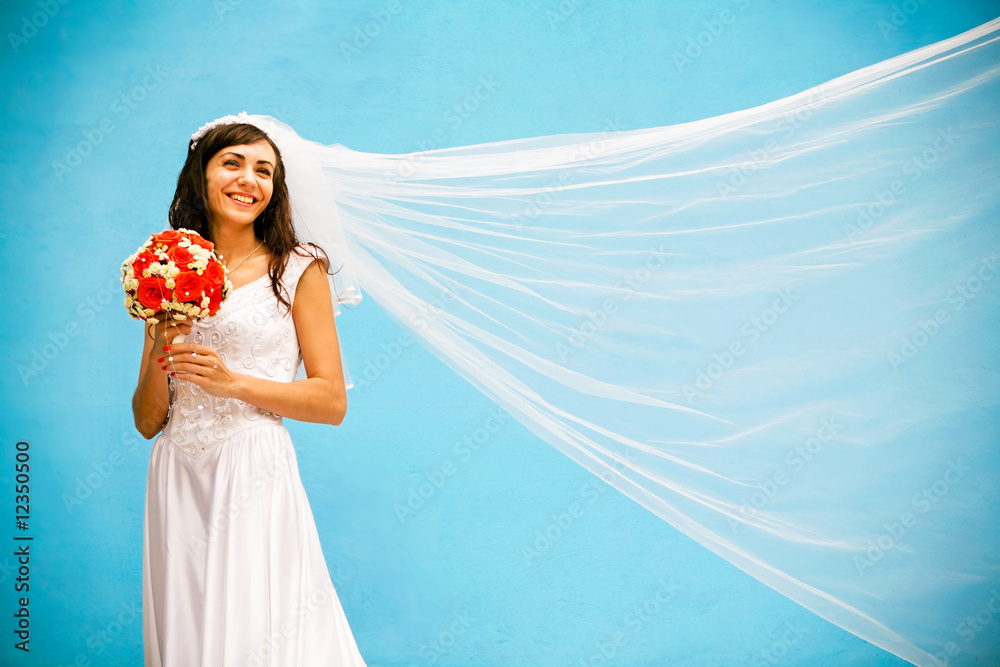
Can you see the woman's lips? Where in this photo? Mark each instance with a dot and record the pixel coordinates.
(242, 199)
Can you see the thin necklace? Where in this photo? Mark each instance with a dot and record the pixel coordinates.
(228, 271)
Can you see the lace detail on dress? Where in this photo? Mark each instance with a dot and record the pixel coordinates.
(253, 335)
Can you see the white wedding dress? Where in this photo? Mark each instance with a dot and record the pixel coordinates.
(233, 571)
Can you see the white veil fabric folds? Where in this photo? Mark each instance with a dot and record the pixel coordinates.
(775, 328)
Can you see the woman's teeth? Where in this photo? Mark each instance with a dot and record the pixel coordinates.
(241, 198)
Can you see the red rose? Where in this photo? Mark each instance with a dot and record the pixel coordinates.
(198, 240)
(152, 291)
(169, 238)
(180, 256)
(142, 261)
(214, 299)
(188, 286)
(214, 274)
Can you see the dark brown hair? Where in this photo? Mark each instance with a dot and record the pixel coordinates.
(273, 226)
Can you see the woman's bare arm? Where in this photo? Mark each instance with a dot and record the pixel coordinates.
(150, 400)
(320, 398)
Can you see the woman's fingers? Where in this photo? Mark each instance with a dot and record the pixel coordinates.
(209, 376)
(178, 366)
(199, 365)
(173, 328)
(188, 348)
(191, 354)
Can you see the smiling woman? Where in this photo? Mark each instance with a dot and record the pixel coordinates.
(231, 552)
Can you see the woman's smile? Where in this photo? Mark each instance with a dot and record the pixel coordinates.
(242, 198)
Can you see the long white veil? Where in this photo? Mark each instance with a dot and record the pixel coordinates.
(775, 329)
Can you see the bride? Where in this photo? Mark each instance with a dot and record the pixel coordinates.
(233, 570)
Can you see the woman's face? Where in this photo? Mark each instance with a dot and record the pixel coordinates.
(239, 183)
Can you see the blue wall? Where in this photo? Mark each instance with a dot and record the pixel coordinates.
(98, 102)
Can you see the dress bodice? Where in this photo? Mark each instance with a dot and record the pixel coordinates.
(253, 334)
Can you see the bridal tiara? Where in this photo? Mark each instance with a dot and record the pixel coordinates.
(241, 117)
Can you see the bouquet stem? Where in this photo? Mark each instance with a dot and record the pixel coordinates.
(179, 338)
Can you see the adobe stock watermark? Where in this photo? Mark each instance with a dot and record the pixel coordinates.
(122, 107)
(795, 461)
(596, 321)
(87, 312)
(788, 125)
(31, 25)
(99, 641)
(462, 451)
(342, 574)
(99, 472)
(791, 636)
(751, 331)
(900, 16)
(370, 31)
(971, 628)
(703, 40)
(261, 484)
(453, 117)
(561, 522)
(922, 502)
(429, 313)
(561, 12)
(320, 598)
(583, 156)
(927, 329)
(635, 620)
(223, 7)
(447, 638)
(913, 168)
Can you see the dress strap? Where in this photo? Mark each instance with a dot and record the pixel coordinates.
(295, 266)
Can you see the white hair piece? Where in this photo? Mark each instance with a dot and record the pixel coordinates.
(241, 117)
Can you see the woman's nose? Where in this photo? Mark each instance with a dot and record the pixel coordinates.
(245, 176)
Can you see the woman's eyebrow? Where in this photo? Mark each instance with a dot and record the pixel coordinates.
(243, 157)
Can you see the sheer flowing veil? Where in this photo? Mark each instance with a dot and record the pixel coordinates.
(775, 328)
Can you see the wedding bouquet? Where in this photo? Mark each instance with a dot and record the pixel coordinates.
(175, 272)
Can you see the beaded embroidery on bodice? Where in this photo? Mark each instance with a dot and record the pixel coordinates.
(254, 335)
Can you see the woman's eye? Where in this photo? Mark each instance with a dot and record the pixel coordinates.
(229, 162)
(264, 171)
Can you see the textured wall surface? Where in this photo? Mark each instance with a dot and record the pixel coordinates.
(454, 536)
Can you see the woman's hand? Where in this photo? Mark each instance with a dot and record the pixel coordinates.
(202, 366)
(151, 400)
(167, 329)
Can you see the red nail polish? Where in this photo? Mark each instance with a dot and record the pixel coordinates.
(166, 348)
(163, 367)
(160, 360)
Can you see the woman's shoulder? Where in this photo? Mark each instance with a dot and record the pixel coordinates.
(299, 259)
(302, 255)
(306, 250)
